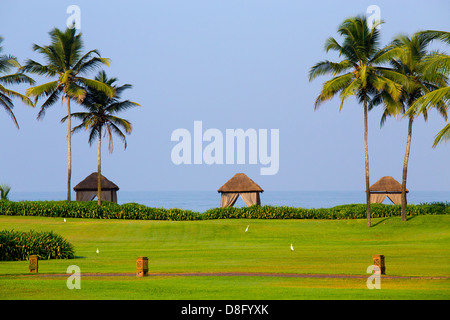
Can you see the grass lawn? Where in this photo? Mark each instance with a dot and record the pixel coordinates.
(419, 247)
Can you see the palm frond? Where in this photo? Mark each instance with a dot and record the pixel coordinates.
(75, 91)
(14, 94)
(16, 78)
(119, 133)
(7, 105)
(97, 85)
(91, 64)
(430, 35)
(123, 123)
(331, 87)
(429, 100)
(442, 136)
(51, 99)
(350, 90)
(121, 106)
(325, 67)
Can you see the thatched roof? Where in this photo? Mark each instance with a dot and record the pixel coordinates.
(240, 183)
(91, 183)
(386, 184)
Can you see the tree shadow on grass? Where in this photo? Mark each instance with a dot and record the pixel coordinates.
(383, 221)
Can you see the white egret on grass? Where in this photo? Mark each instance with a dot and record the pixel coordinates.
(247, 229)
(64, 219)
(292, 248)
(97, 251)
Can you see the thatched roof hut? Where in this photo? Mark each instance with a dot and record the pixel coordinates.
(240, 185)
(386, 187)
(86, 190)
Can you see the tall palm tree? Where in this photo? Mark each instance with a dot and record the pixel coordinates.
(66, 63)
(410, 61)
(101, 118)
(435, 64)
(8, 62)
(358, 74)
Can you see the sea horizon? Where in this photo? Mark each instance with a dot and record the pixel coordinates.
(201, 201)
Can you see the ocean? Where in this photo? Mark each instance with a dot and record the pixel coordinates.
(200, 201)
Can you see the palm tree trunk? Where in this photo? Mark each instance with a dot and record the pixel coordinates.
(405, 168)
(367, 162)
(69, 150)
(99, 170)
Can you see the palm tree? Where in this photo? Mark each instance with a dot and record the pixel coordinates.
(435, 64)
(358, 74)
(4, 190)
(8, 62)
(101, 117)
(66, 63)
(410, 62)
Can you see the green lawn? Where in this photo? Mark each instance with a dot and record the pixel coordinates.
(418, 247)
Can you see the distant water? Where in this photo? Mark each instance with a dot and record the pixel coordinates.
(201, 201)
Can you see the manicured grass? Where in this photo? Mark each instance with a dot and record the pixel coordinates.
(419, 247)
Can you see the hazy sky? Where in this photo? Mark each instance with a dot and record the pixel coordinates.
(230, 64)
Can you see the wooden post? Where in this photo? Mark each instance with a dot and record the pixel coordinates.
(33, 264)
(142, 267)
(378, 260)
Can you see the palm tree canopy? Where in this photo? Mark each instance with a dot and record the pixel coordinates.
(7, 63)
(65, 62)
(411, 67)
(358, 74)
(435, 65)
(102, 110)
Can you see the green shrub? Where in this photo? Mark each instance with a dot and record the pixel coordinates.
(349, 211)
(16, 245)
(108, 210)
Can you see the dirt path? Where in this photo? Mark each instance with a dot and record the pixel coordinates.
(239, 274)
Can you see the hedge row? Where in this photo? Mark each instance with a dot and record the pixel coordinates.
(136, 211)
(91, 209)
(18, 245)
(350, 211)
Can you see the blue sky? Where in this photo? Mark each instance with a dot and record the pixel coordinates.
(230, 64)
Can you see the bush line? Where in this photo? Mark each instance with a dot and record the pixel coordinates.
(136, 211)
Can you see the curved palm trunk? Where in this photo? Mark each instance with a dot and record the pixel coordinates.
(99, 170)
(367, 163)
(69, 150)
(405, 168)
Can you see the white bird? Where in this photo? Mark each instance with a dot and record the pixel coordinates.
(292, 248)
(247, 229)
(64, 219)
(97, 251)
